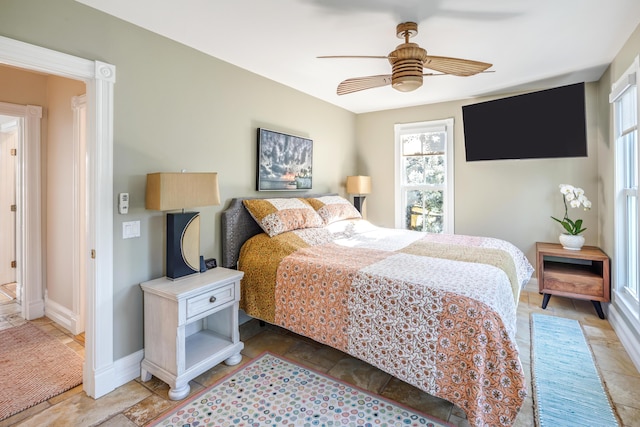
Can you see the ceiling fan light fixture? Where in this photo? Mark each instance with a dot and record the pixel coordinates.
(407, 83)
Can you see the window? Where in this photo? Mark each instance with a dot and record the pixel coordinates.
(424, 176)
(624, 96)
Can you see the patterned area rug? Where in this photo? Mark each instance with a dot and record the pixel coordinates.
(35, 367)
(567, 388)
(270, 391)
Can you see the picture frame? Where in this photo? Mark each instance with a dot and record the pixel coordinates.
(284, 162)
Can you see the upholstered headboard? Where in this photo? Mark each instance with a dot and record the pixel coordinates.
(238, 226)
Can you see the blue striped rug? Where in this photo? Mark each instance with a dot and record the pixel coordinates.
(567, 388)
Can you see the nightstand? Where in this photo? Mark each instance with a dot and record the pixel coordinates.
(190, 325)
(582, 274)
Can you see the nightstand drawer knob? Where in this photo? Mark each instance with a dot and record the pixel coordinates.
(211, 300)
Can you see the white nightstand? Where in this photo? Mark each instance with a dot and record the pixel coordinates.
(190, 325)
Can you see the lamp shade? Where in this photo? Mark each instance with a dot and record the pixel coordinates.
(358, 184)
(169, 191)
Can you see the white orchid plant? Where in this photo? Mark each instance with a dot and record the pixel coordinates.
(576, 198)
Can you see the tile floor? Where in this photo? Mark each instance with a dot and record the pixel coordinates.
(135, 403)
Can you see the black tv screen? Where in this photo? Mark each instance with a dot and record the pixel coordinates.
(545, 124)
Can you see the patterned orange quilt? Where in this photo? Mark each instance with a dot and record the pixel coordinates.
(436, 311)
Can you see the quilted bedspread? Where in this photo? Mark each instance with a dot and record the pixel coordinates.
(436, 311)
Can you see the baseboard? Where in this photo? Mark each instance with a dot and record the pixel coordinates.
(35, 309)
(627, 336)
(127, 368)
(118, 374)
(97, 383)
(61, 315)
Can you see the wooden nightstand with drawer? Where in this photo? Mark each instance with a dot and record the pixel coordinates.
(582, 274)
(190, 325)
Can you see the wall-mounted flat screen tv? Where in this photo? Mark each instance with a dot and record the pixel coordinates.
(545, 124)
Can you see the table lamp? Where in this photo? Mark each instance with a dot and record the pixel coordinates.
(358, 185)
(167, 191)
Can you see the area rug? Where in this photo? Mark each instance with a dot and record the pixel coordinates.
(567, 388)
(35, 367)
(272, 391)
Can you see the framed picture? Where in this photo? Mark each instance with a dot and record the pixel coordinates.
(284, 162)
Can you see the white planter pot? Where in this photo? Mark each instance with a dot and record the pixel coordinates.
(571, 242)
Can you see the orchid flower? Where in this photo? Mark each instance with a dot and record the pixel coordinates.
(576, 198)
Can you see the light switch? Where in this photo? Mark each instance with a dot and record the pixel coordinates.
(130, 229)
(123, 203)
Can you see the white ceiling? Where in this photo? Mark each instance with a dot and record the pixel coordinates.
(532, 44)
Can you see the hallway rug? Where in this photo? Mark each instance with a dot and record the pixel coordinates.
(35, 367)
(567, 389)
(271, 391)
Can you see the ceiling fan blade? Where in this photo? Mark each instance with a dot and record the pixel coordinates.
(361, 83)
(354, 56)
(455, 66)
(445, 74)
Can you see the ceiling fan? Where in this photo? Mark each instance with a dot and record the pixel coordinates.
(408, 61)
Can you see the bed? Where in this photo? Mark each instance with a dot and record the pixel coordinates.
(436, 311)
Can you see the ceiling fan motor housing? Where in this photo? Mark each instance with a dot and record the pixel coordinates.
(407, 66)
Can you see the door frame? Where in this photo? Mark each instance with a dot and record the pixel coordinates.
(28, 215)
(78, 214)
(10, 133)
(99, 77)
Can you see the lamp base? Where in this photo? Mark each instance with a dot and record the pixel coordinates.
(358, 202)
(183, 244)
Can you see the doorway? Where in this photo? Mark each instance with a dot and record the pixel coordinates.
(9, 134)
(99, 373)
(63, 208)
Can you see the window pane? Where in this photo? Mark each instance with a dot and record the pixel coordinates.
(632, 278)
(424, 211)
(630, 178)
(423, 143)
(627, 108)
(424, 166)
(629, 144)
(627, 136)
(421, 170)
(411, 145)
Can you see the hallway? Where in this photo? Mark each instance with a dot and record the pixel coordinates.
(10, 316)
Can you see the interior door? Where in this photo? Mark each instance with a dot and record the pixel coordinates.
(9, 133)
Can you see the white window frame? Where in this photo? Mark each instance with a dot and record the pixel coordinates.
(400, 129)
(622, 297)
